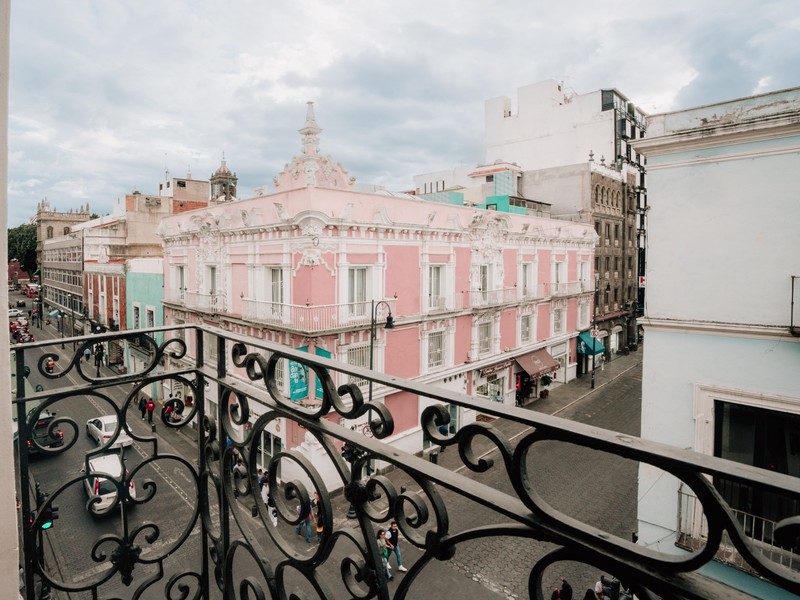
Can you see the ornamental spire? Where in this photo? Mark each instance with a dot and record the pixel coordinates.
(309, 133)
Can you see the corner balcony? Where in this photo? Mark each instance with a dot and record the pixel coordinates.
(308, 319)
(176, 520)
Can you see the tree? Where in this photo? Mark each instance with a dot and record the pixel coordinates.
(22, 246)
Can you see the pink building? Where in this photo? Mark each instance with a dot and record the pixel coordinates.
(484, 302)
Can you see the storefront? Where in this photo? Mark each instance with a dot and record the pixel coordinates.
(588, 347)
(539, 368)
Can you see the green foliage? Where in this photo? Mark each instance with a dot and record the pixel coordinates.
(22, 246)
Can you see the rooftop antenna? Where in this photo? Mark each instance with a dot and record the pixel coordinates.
(189, 171)
(166, 170)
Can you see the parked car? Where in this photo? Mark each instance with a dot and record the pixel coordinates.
(102, 430)
(104, 470)
(42, 435)
(20, 303)
(13, 313)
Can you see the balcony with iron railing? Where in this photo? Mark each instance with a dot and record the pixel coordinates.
(177, 521)
(759, 531)
(309, 319)
(204, 301)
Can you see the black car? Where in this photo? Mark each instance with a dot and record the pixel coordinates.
(42, 435)
(20, 303)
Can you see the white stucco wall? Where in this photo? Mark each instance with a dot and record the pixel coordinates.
(722, 243)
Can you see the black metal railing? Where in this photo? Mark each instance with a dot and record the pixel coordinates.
(184, 523)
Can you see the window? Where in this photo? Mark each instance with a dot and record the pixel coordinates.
(66, 230)
(180, 279)
(559, 323)
(358, 356)
(596, 264)
(151, 317)
(357, 291)
(436, 297)
(608, 231)
(608, 263)
(525, 328)
(276, 277)
(763, 438)
(597, 227)
(136, 317)
(483, 282)
(211, 280)
(616, 231)
(268, 446)
(583, 315)
(616, 263)
(527, 280)
(435, 349)
(489, 178)
(49, 232)
(484, 337)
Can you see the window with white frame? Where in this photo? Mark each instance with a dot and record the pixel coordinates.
(436, 297)
(211, 280)
(485, 337)
(180, 279)
(525, 328)
(276, 285)
(559, 276)
(484, 281)
(435, 349)
(150, 315)
(358, 356)
(527, 280)
(357, 291)
(559, 321)
(137, 316)
(583, 315)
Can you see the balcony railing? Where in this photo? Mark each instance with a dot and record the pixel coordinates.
(205, 302)
(693, 534)
(483, 298)
(565, 288)
(309, 319)
(190, 526)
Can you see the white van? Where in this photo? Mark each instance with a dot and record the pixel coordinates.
(104, 471)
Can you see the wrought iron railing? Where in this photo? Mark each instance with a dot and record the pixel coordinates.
(193, 527)
(692, 529)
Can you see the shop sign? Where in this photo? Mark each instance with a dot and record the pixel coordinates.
(495, 368)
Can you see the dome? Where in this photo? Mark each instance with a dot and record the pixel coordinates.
(223, 170)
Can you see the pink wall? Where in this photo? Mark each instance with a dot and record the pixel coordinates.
(510, 268)
(543, 323)
(463, 258)
(403, 278)
(508, 329)
(402, 352)
(462, 338)
(404, 407)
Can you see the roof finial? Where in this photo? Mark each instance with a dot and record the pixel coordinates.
(309, 132)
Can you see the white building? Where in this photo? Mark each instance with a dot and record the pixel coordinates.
(721, 368)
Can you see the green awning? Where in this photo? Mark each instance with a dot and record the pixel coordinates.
(589, 345)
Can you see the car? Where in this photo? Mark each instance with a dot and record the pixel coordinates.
(13, 313)
(104, 470)
(42, 434)
(102, 430)
(22, 321)
(20, 303)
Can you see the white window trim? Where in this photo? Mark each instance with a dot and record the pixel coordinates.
(134, 307)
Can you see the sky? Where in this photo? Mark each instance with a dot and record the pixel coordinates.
(105, 97)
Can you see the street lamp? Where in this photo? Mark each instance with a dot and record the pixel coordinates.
(389, 325)
(594, 322)
(61, 319)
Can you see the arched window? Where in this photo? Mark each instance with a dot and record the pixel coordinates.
(49, 232)
(66, 230)
(596, 195)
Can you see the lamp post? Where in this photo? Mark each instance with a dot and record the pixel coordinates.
(594, 323)
(389, 325)
(61, 319)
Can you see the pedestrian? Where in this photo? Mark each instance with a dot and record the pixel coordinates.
(143, 406)
(240, 474)
(87, 354)
(261, 480)
(384, 547)
(304, 522)
(269, 503)
(599, 589)
(166, 412)
(393, 537)
(319, 525)
(565, 593)
(150, 406)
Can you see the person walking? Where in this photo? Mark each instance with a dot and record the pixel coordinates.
(305, 523)
(166, 413)
(393, 537)
(384, 547)
(150, 406)
(316, 503)
(143, 406)
(87, 354)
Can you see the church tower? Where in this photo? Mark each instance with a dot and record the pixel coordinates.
(223, 184)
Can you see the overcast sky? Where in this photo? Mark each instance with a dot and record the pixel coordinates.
(104, 95)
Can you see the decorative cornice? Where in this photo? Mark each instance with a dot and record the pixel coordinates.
(727, 329)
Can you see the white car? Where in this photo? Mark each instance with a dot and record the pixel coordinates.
(14, 313)
(102, 430)
(99, 484)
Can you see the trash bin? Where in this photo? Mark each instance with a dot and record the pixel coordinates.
(434, 456)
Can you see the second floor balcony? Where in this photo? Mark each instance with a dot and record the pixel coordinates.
(182, 514)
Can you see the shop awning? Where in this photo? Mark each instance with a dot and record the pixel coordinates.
(55, 313)
(589, 345)
(537, 363)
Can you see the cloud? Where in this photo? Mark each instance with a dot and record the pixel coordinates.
(104, 97)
